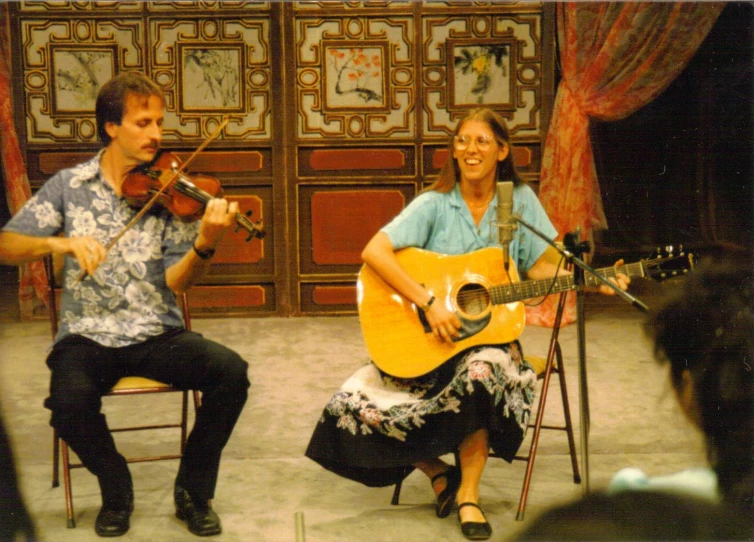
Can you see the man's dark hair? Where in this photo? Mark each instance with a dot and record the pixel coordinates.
(111, 100)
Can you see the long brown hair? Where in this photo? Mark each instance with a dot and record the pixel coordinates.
(506, 170)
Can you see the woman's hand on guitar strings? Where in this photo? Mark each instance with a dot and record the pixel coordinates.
(444, 324)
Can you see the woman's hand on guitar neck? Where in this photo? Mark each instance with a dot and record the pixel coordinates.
(444, 324)
(621, 280)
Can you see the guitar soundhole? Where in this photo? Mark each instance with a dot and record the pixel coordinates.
(473, 299)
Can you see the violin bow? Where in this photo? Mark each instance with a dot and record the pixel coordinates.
(161, 191)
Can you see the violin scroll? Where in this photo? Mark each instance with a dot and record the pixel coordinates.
(253, 228)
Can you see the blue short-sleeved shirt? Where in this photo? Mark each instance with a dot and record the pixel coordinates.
(441, 222)
(127, 300)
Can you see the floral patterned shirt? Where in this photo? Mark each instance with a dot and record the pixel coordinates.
(127, 300)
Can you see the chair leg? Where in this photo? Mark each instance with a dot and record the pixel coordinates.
(184, 420)
(55, 459)
(535, 436)
(67, 484)
(396, 493)
(567, 416)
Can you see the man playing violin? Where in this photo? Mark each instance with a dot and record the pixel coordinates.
(122, 318)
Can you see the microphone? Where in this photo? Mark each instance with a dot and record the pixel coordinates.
(504, 220)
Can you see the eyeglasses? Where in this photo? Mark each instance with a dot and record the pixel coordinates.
(482, 142)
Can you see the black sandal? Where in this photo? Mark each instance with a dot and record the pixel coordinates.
(447, 496)
(474, 530)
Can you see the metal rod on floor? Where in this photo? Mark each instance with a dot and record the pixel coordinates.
(299, 520)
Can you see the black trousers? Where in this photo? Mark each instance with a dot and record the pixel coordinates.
(83, 371)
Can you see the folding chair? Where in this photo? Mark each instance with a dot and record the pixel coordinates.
(544, 368)
(125, 386)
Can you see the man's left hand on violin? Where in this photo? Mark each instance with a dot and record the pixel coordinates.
(219, 215)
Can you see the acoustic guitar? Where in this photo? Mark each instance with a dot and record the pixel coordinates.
(475, 287)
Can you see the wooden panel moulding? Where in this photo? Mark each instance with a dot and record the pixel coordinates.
(344, 221)
(52, 162)
(334, 295)
(521, 157)
(227, 297)
(206, 161)
(224, 161)
(356, 159)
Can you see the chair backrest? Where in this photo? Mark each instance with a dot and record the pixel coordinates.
(54, 264)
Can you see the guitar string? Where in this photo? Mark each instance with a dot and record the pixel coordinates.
(504, 293)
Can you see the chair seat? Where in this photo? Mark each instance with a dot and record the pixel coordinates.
(539, 364)
(137, 383)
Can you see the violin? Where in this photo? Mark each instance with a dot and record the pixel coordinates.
(185, 196)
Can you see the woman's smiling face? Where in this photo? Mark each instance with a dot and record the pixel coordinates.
(477, 151)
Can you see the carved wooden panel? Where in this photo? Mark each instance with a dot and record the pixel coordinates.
(355, 77)
(353, 162)
(103, 6)
(350, 5)
(232, 300)
(336, 222)
(206, 5)
(212, 69)
(492, 59)
(338, 114)
(327, 297)
(64, 63)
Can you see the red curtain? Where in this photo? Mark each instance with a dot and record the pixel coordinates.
(616, 57)
(33, 283)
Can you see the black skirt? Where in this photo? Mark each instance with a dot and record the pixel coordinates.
(376, 426)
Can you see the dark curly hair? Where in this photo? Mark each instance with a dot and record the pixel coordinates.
(707, 329)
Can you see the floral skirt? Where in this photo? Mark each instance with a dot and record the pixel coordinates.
(376, 426)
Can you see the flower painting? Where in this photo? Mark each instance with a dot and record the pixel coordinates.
(354, 77)
(482, 74)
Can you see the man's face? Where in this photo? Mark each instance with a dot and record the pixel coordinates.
(139, 134)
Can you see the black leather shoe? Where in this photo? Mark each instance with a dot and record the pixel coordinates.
(114, 522)
(447, 496)
(474, 530)
(201, 519)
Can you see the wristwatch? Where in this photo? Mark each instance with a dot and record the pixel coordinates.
(204, 254)
(428, 304)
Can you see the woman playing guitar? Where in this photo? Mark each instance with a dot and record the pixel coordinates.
(378, 427)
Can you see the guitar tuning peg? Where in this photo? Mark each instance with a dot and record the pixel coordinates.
(669, 249)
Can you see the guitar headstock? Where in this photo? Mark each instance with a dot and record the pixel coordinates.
(668, 262)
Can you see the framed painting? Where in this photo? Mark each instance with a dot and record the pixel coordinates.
(211, 77)
(482, 73)
(77, 74)
(355, 75)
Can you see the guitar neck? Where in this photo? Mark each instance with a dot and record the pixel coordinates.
(518, 291)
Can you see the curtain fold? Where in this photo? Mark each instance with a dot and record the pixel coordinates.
(616, 57)
(32, 293)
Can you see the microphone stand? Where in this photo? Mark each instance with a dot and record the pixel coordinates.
(571, 252)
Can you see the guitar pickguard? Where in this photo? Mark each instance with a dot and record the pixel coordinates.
(469, 327)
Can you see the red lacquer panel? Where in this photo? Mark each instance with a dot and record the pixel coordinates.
(344, 221)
